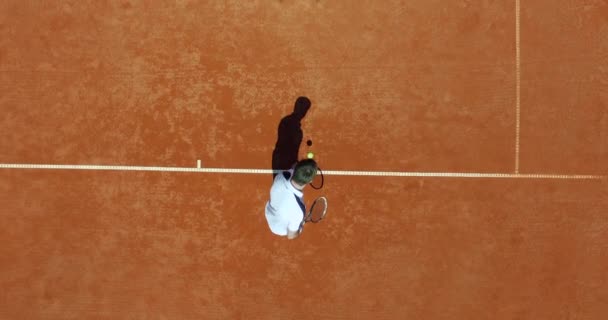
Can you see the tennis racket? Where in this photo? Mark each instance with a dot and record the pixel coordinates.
(318, 180)
(317, 210)
(316, 213)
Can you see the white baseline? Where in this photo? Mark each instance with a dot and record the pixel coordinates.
(325, 172)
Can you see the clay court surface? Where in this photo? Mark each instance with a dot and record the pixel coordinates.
(404, 86)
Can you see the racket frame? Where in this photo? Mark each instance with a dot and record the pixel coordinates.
(322, 180)
(307, 217)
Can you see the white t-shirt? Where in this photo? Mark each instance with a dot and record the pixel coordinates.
(283, 210)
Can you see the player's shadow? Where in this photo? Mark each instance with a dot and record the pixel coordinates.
(289, 137)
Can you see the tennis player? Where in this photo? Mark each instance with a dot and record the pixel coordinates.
(285, 210)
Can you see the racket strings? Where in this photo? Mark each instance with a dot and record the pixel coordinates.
(317, 211)
(315, 214)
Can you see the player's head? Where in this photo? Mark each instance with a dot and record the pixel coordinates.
(301, 107)
(305, 171)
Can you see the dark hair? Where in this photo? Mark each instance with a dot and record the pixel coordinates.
(305, 171)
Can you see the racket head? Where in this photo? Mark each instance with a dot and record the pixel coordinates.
(318, 180)
(317, 210)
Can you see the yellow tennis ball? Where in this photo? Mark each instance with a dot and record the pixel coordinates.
(310, 155)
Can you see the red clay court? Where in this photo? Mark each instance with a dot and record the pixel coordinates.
(465, 145)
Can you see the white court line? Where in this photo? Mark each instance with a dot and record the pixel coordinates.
(325, 172)
(517, 81)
